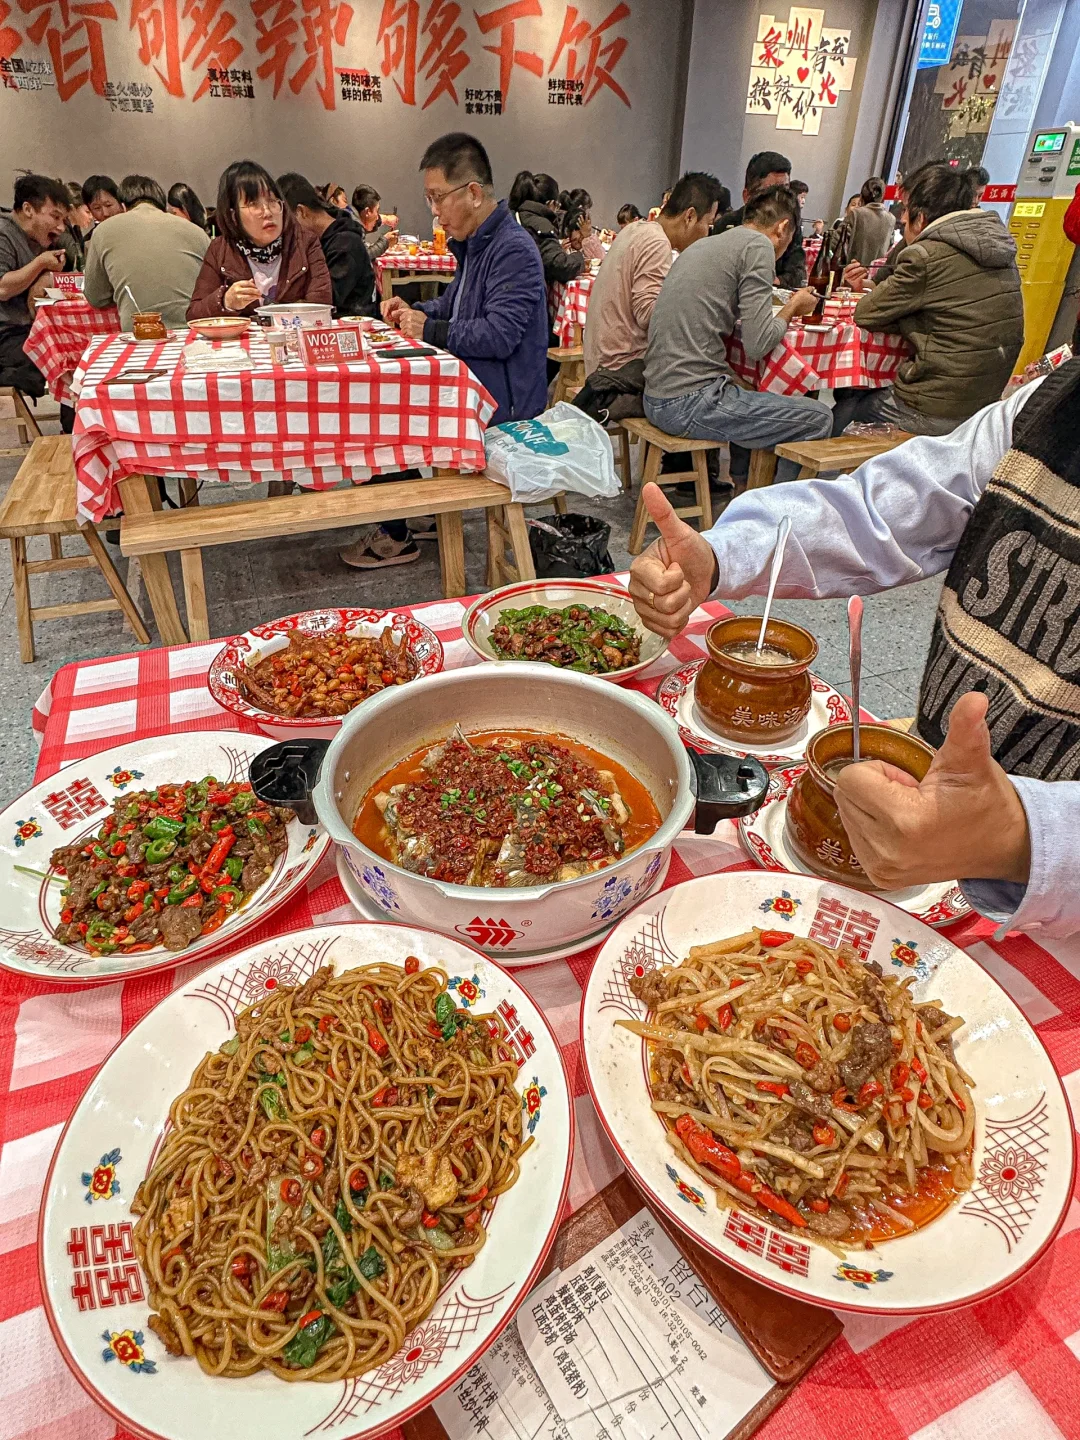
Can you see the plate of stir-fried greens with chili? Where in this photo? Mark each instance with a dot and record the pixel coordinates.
(143, 855)
(585, 625)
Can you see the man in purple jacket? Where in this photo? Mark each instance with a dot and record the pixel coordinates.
(493, 316)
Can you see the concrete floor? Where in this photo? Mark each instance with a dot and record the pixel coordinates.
(250, 583)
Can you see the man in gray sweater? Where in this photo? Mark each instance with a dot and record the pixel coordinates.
(689, 386)
(145, 258)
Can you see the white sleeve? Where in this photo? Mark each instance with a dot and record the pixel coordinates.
(897, 519)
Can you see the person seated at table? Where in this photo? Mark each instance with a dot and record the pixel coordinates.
(989, 505)
(534, 200)
(75, 235)
(722, 281)
(954, 294)
(580, 237)
(336, 196)
(765, 170)
(493, 314)
(102, 197)
(380, 231)
(817, 229)
(981, 179)
(627, 284)
(628, 213)
(145, 258)
(261, 256)
(29, 256)
(342, 239)
(869, 228)
(184, 202)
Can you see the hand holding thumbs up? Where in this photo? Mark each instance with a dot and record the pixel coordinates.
(670, 579)
(964, 820)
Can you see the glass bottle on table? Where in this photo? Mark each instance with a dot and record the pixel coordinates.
(839, 260)
(820, 271)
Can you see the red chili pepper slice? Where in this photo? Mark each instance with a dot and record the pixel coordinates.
(842, 1023)
(134, 913)
(66, 916)
(925, 1100)
(806, 1055)
(772, 938)
(774, 1087)
(824, 1134)
(917, 1069)
(326, 1022)
(724, 1016)
(291, 1191)
(318, 1137)
(176, 1250)
(377, 1041)
(803, 967)
(820, 1205)
(310, 1318)
(303, 1034)
(429, 1221)
(193, 902)
(311, 1167)
(841, 1101)
(225, 841)
(216, 920)
(412, 964)
(276, 1300)
(120, 848)
(472, 1219)
(841, 1185)
(706, 1149)
(387, 1096)
(240, 1265)
(870, 1091)
(701, 1022)
(481, 1194)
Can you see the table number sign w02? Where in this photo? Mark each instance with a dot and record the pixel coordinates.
(328, 345)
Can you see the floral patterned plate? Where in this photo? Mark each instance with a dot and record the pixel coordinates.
(94, 1290)
(73, 803)
(1024, 1143)
(763, 838)
(676, 694)
(248, 649)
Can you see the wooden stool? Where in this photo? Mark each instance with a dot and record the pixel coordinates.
(24, 417)
(843, 453)
(41, 501)
(571, 377)
(623, 461)
(657, 444)
(151, 532)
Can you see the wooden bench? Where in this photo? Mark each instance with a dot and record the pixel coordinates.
(571, 362)
(658, 444)
(24, 416)
(146, 530)
(843, 454)
(41, 501)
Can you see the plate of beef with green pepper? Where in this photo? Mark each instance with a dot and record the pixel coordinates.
(145, 855)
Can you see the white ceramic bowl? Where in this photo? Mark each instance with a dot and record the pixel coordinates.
(254, 645)
(483, 615)
(119, 1122)
(301, 316)
(618, 723)
(1024, 1144)
(221, 327)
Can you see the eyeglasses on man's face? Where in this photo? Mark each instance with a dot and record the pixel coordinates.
(434, 201)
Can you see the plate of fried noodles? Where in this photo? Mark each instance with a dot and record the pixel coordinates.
(827, 1094)
(325, 1170)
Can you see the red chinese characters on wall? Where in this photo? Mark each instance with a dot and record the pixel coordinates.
(504, 19)
(592, 52)
(10, 39)
(72, 31)
(304, 30)
(198, 35)
(402, 30)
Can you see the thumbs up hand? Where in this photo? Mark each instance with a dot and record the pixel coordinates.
(670, 579)
(964, 820)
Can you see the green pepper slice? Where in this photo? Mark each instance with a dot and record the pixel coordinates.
(159, 850)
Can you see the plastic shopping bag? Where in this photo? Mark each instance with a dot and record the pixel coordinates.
(570, 547)
(562, 449)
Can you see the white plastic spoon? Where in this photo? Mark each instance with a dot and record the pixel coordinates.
(783, 530)
(854, 618)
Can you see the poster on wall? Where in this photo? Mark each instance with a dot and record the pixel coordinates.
(970, 83)
(800, 67)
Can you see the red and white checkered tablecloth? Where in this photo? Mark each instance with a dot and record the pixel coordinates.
(317, 425)
(424, 262)
(805, 360)
(1004, 1368)
(61, 331)
(568, 305)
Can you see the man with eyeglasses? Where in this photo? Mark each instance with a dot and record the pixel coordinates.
(493, 315)
(28, 256)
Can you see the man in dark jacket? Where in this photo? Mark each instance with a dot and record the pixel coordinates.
(343, 244)
(954, 294)
(493, 315)
(768, 168)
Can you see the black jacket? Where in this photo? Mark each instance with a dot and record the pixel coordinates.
(791, 266)
(560, 266)
(351, 272)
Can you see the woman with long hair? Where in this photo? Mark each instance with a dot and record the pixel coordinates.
(184, 202)
(537, 201)
(261, 254)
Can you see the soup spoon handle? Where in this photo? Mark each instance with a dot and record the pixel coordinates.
(783, 530)
(854, 615)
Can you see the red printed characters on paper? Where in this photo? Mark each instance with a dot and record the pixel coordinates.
(72, 31)
(592, 52)
(199, 35)
(321, 26)
(504, 20)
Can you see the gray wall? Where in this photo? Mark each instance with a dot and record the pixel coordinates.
(719, 136)
(616, 153)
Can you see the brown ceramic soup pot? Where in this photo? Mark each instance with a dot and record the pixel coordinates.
(812, 825)
(148, 325)
(757, 704)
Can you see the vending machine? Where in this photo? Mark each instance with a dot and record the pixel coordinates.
(1048, 177)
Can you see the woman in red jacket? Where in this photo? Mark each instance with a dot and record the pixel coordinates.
(1071, 225)
(261, 255)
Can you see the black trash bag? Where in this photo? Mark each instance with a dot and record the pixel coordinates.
(570, 547)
